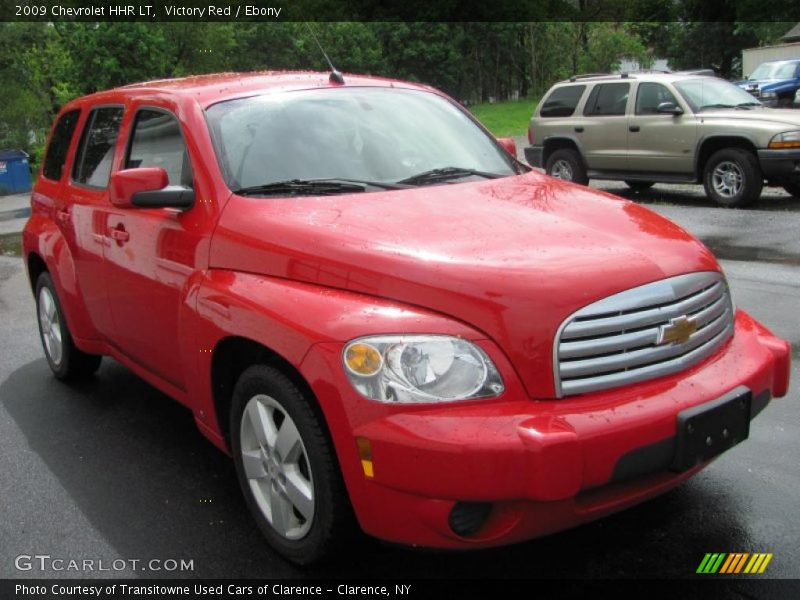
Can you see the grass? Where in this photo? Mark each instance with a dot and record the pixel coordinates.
(11, 244)
(505, 119)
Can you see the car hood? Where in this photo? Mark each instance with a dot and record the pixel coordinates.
(511, 257)
(772, 115)
(763, 84)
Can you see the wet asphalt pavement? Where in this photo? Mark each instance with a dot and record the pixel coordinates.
(113, 469)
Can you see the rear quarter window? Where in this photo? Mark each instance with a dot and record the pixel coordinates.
(562, 101)
(56, 155)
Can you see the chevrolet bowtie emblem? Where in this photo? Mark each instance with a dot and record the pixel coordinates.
(677, 331)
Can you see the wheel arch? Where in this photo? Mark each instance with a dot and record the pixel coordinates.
(234, 354)
(559, 143)
(36, 266)
(711, 144)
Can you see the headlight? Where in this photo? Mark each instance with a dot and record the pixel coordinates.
(768, 95)
(420, 368)
(787, 139)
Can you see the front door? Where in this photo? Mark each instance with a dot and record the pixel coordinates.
(152, 252)
(660, 143)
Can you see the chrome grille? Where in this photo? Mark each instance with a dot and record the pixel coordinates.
(615, 341)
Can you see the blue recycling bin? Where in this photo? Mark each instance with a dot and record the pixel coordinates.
(15, 172)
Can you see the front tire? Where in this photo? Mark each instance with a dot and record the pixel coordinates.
(566, 164)
(732, 178)
(65, 359)
(287, 468)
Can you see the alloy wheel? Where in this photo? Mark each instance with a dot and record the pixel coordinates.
(50, 323)
(277, 468)
(727, 179)
(562, 170)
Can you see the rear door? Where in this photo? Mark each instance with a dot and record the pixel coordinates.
(660, 143)
(86, 201)
(604, 130)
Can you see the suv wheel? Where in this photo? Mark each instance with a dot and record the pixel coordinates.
(640, 186)
(286, 467)
(65, 359)
(566, 164)
(732, 178)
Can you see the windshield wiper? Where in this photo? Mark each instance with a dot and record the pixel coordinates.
(446, 173)
(314, 187)
(747, 105)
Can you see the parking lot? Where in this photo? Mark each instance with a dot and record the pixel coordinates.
(113, 469)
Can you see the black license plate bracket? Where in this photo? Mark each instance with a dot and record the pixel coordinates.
(710, 429)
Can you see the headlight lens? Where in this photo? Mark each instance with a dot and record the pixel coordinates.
(787, 139)
(420, 368)
(768, 95)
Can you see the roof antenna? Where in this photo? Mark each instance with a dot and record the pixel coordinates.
(335, 76)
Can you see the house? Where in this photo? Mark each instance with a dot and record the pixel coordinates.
(789, 49)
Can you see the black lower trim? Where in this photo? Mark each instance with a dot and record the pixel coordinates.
(780, 163)
(533, 154)
(660, 455)
(642, 176)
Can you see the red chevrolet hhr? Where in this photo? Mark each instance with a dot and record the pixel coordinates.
(382, 315)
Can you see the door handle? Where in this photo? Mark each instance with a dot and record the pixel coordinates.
(119, 234)
(579, 129)
(633, 128)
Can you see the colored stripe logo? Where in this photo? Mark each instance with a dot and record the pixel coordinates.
(734, 563)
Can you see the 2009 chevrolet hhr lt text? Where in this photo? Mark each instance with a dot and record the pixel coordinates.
(381, 315)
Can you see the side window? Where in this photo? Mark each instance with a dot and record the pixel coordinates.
(607, 100)
(650, 95)
(562, 101)
(157, 141)
(96, 150)
(59, 144)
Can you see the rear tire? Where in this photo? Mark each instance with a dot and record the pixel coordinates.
(65, 359)
(732, 178)
(566, 164)
(291, 480)
(640, 186)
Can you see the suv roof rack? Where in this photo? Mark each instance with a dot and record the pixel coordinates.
(710, 72)
(587, 75)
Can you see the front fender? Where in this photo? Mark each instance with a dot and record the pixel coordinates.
(290, 317)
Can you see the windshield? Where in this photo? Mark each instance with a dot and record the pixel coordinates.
(704, 93)
(379, 135)
(774, 71)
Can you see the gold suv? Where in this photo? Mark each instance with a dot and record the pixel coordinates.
(666, 128)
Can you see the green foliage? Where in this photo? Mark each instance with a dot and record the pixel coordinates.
(44, 65)
(505, 119)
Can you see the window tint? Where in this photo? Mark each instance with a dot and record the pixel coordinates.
(96, 150)
(562, 102)
(650, 95)
(59, 144)
(157, 142)
(607, 99)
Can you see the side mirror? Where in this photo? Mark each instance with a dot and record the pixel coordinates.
(147, 187)
(509, 145)
(669, 108)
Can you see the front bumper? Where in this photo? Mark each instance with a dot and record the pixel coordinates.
(533, 155)
(780, 163)
(539, 466)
